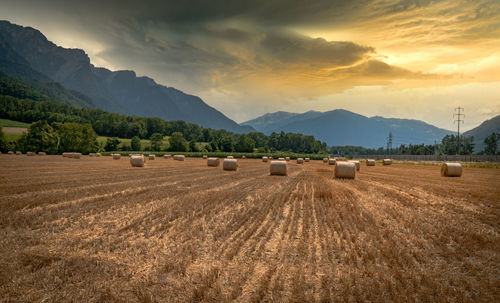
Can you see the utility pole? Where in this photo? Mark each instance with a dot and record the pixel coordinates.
(389, 143)
(459, 119)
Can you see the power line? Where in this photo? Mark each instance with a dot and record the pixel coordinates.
(458, 114)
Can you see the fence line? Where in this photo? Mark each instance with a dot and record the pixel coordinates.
(461, 158)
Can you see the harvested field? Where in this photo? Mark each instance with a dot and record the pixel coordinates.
(99, 230)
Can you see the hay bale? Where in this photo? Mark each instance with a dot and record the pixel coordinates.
(357, 163)
(179, 157)
(18, 153)
(76, 155)
(370, 162)
(300, 161)
(212, 161)
(307, 159)
(270, 157)
(167, 156)
(137, 160)
(340, 159)
(152, 157)
(332, 161)
(449, 169)
(243, 157)
(281, 159)
(387, 162)
(265, 159)
(116, 156)
(278, 168)
(42, 153)
(10, 152)
(287, 159)
(345, 170)
(325, 160)
(92, 155)
(66, 155)
(205, 157)
(230, 164)
(98, 154)
(229, 157)
(30, 153)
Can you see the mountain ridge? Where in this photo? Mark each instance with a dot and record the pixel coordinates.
(114, 91)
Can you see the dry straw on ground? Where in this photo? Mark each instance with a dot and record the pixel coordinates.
(230, 164)
(213, 161)
(278, 168)
(449, 169)
(345, 169)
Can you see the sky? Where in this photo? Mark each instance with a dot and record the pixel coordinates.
(415, 59)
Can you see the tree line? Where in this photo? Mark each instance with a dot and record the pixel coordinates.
(183, 135)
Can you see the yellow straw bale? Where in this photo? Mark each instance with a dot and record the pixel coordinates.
(230, 164)
(345, 170)
(278, 168)
(449, 169)
(212, 161)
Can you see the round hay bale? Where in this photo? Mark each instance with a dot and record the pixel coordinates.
(287, 158)
(212, 161)
(98, 154)
(370, 162)
(167, 156)
(345, 170)
(116, 156)
(137, 160)
(230, 164)
(10, 152)
(270, 157)
(357, 163)
(278, 168)
(205, 157)
(300, 161)
(265, 159)
(76, 155)
(30, 153)
(281, 159)
(42, 153)
(387, 162)
(65, 155)
(243, 157)
(229, 157)
(449, 169)
(325, 160)
(340, 159)
(92, 155)
(307, 159)
(179, 157)
(152, 157)
(332, 161)
(18, 153)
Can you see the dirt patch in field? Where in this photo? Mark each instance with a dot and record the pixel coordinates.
(96, 229)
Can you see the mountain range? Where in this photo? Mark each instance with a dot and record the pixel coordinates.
(67, 76)
(25, 52)
(341, 127)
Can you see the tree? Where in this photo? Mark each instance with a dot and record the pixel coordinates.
(135, 143)
(41, 137)
(491, 143)
(112, 144)
(178, 143)
(156, 141)
(226, 144)
(244, 144)
(76, 137)
(3, 140)
(193, 146)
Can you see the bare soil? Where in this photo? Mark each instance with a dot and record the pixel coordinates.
(99, 230)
